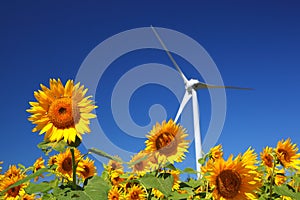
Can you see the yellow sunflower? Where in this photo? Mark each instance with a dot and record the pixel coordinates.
(39, 164)
(13, 171)
(62, 112)
(64, 162)
(280, 177)
(168, 139)
(115, 193)
(114, 165)
(216, 152)
(136, 192)
(52, 160)
(233, 179)
(115, 177)
(143, 165)
(266, 157)
(287, 154)
(14, 193)
(86, 168)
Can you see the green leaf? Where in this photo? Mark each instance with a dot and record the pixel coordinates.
(96, 188)
(285, 191)
(162, 184)
(106, 155)
(38, 187)
(175, 196)
(26, 179)
(189, 171)
(47, 147)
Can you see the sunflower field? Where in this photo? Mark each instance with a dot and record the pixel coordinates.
(63, 113)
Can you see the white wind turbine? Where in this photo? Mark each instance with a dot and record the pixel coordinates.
(191, 87)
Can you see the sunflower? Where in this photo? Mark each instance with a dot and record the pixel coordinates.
(64, 163)
(86, 168)
(13, 171)
(136, 192)
(266, 157)
(287, 154)
(140, 163)
(168, 139)
(16, 192)
(115, 177)
(280, 177)
(39, 164)
(62, 112)
(233, 179)
(114, 165)
(115, 193)
(216, 152)
(52, 160)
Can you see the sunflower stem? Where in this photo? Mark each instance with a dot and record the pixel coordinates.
(272, 178)
(74, 185)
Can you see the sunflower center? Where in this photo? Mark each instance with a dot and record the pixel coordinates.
(228, 183)
(268, 160)
(86, 171)
(13, 192)
(134, 195)
(166, 143)
(67, 164)
(284, 154)
(63, 113)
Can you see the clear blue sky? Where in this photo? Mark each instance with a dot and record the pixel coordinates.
(254, 44)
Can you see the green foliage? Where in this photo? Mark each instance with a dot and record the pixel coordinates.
(163, 183)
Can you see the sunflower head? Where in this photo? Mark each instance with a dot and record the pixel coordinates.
(233, 179)
(266, 157)
(141, 162)
(136, 192)
(62, 112)
(168, 139)
(14, 192)
(39, 164)
(114, 165)
(287, 155)
(86, 168)
(115, 193)
(64, 163)
(216, 152)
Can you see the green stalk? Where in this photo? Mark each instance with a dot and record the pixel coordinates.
(272, 178)
(74, 185)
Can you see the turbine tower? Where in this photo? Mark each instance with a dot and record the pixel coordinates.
(191, 87)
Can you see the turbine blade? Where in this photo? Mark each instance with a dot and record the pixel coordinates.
(184, 101)
(197, 134)
(201, 85)
(170, 56)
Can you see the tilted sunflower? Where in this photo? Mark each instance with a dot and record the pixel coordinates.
(64, 163)
(61, 112)
(86, 168)
(136, 192)
(168, 140)
(114, 165)
(216, 152)
(287, 154)
(266, 157)
(140, 163)
(233, 179)
(14, 193)
(39, 164)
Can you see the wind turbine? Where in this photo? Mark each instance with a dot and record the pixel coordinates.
(191, 87)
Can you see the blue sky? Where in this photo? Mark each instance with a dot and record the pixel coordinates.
(254, 44)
